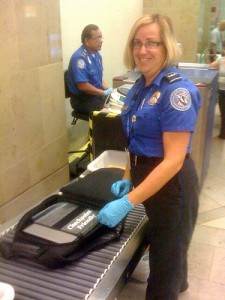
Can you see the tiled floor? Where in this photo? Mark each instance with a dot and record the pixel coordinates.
(207, 250)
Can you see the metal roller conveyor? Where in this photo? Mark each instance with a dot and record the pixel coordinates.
(100, 274)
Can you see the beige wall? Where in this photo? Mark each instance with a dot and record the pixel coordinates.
(185, 17)
(33, 136)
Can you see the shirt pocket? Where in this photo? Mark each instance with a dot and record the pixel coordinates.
(93, 74)
(147, 123)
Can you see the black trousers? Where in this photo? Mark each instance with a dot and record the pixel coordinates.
(172, 214)
(84, 104)
(222, 113)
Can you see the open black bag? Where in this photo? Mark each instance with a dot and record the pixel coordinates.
(63, 227)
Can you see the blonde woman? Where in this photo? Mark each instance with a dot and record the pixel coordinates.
(159, 117)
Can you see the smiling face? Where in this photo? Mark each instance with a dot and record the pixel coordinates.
(149, 60)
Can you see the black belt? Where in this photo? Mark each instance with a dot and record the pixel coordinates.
(136, 159)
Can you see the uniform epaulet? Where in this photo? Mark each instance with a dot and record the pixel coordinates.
(172, 77)
(84, 53)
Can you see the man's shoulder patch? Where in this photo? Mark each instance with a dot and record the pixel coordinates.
(81, 64)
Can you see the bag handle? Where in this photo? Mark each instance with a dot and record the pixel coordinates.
(53, 260)
(18, 249)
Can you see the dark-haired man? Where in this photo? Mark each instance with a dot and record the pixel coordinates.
(85, 73)
(216, 41)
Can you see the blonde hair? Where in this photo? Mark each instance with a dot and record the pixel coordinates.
(167, 37)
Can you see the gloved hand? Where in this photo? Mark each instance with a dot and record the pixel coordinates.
(108, 91)
(121, 187)
(113, 212)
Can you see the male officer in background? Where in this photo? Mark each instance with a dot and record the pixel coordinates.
(217, 38)
(85, 73)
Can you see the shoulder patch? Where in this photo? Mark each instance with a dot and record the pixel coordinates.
(81, 64)
(172, 77)
(180, 99)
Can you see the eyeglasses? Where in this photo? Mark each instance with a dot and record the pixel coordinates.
(148, 45)
(97, 38)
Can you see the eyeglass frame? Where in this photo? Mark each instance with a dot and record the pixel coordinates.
(97, 38)
(153, 45)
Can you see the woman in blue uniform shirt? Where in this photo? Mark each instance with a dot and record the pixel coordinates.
(159, 118)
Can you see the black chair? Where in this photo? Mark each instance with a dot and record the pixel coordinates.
(74, 114)
(77, 116)
(75, 167)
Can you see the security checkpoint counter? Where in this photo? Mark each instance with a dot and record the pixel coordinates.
(100, 274)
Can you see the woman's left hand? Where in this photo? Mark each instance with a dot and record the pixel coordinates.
(112, 213)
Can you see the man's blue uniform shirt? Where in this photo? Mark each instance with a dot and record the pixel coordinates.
(84, 67)
(169, 104)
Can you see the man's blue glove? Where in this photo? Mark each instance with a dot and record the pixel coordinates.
(108, 91)
(113, 212)
(121, 187)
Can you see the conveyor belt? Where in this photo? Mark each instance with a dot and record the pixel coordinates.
(81, 279)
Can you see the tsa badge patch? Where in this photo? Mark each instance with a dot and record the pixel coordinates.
(180, 99)
(154, 98)
(81, 64)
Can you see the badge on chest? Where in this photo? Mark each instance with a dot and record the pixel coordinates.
(154, 98)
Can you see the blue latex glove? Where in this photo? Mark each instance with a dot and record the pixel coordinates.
(121, 187)
(112, 213)
(108, 91)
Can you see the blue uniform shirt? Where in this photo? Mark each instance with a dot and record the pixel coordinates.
(169, 104)
(84, 67)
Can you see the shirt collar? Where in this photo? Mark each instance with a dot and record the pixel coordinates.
(91, 54)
